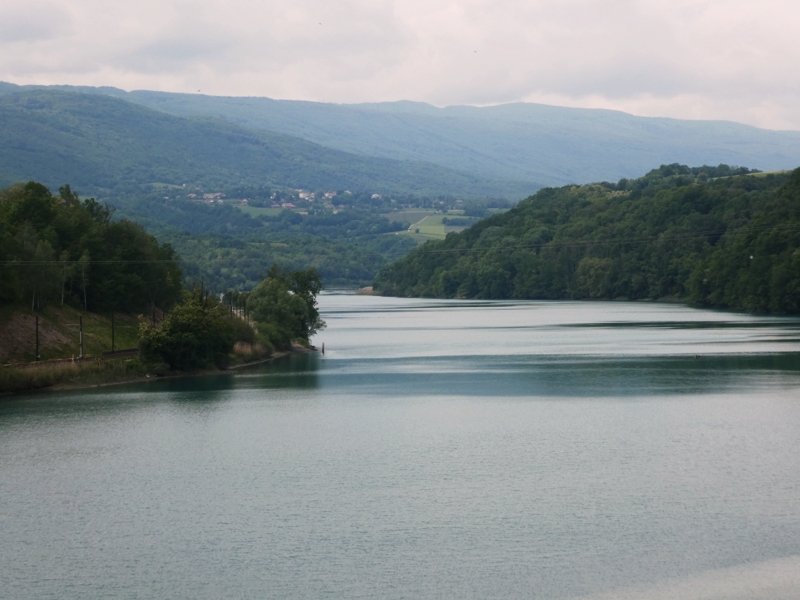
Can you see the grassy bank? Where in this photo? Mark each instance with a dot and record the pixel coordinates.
(59, 333)
(25, 377)
(91, 372)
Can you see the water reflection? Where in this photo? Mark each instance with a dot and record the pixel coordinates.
(563, 349)
(206, 386)
(564, 376)
(295, 371)
(439, 449)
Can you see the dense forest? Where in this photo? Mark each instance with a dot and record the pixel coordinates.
(227, 248)
(61, 249)
(710, 236)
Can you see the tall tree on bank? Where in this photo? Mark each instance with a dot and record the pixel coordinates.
(200, 332)
(284, 306)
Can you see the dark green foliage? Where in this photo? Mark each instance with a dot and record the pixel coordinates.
(61, 249)
(198, 333)
(226, 249)
(284, 306)
(712, 236)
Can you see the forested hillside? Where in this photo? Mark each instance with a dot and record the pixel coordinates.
(108, 147)
(530, 144)
(227, 181)
(716, 237)
(64, 250)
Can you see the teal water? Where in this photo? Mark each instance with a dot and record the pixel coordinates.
(438, 449)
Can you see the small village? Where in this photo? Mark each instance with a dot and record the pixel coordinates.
(304, 201)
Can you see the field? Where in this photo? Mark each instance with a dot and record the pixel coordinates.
(410, 216)
(423, 224)
(436, 227)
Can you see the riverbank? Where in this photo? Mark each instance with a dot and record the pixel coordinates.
(97, 373)
(32, 377)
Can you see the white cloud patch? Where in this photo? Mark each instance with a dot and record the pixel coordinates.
(731, 59)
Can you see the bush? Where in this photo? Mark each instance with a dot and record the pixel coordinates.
(197, 334)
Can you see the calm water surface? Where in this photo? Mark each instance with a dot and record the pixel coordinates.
(438, 449)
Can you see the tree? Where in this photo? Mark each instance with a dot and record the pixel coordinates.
(83, 270)
(65, 249)
(198, 333)
(284, 306)
(44, 273)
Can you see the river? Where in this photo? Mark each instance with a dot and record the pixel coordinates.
(437, 449)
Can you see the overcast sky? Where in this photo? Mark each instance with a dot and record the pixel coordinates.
(711, 59)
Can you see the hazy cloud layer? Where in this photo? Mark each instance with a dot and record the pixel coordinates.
(724, 59)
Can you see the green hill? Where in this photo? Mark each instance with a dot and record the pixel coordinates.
(104, 145)
(710, 236)
(137, 151)
(500, 151)
(534, 144)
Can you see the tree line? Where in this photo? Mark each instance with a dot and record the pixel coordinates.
(60, 249)
(200, 331)
(711, 236)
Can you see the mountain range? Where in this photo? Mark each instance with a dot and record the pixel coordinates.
(100, 139)
(105, 146)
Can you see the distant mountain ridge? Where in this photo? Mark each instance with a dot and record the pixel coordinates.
(510, 150)
(101, 144)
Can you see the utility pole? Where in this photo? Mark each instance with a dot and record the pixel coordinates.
(112, 331)
(80, 356)
(37, 337)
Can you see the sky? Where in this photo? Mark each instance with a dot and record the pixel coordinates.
(736, 60)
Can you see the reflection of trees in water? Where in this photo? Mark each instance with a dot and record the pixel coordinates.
(298, 370)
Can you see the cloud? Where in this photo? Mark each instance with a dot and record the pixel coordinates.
(32, 21)
(730, 59)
